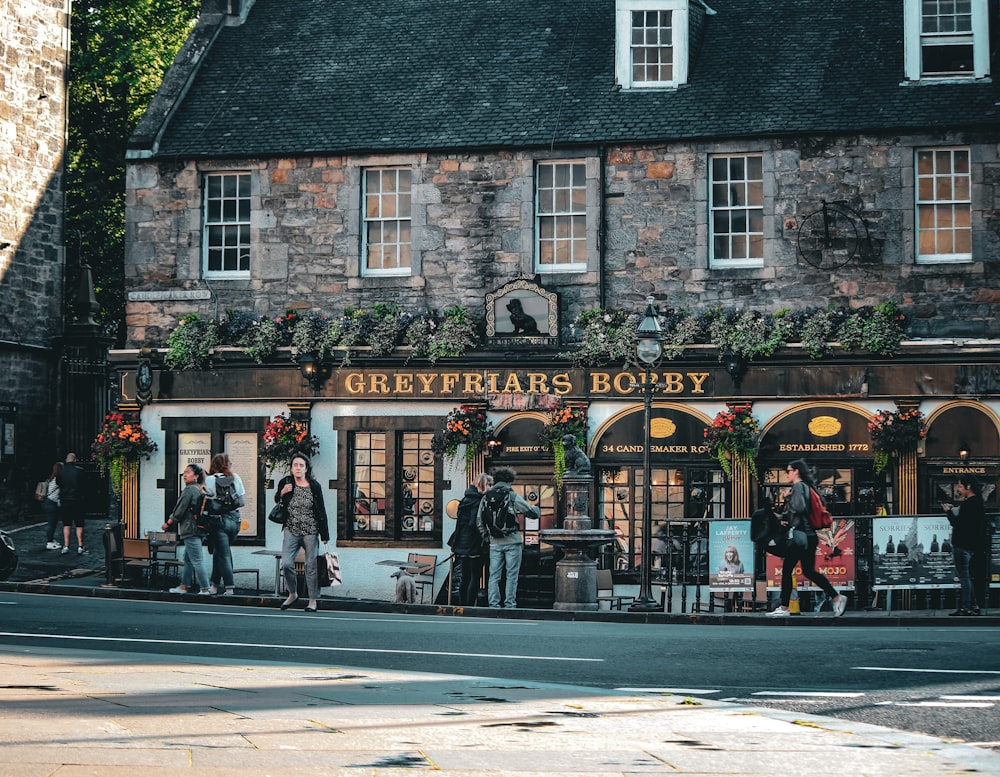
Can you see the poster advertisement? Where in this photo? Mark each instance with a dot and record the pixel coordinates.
(730, 556)
(995, 551)
(835, 558)
(242, 450)
(912, 551)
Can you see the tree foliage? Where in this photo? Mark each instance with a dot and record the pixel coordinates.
(120, 51)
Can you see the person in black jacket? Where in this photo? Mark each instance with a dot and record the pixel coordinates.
(969, 537)
(71, 479)
(467, 545)
(302, 496)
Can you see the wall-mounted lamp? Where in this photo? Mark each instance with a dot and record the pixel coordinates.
(963, 454)
(493, 446)
(144, 377)
(736, 367)
(314, 370)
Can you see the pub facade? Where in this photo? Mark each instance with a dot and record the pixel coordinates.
(614, 172)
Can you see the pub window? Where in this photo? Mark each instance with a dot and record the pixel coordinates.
(946, 39)
(387, 228)
(226, 242)
(392, 482)
(944, 205)
(683, 499)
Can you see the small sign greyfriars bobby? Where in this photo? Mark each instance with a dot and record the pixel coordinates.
(522, 313)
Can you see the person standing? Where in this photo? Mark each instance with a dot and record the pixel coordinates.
(71, 479)
(50, 507)
(221, 476)
(467, 544)
(802, 544)
(506, 550)
(969, 537)
(182, 521)
(302, 497)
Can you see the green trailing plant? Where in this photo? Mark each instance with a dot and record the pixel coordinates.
(680, 329)
(559, 423)
(310, 335)
(384, 332)
(191, 343)
(453, 336)
(465, 425)
(119, 446)
(734, 436)
(894, 432)
(748, 333)
(606, 336)
(260, 341)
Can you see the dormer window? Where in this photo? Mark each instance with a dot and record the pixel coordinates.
(651, 38)
(946, 39)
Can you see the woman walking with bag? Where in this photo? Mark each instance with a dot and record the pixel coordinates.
(182, 521)
(802, 542)
(302, 497)
(220, 478)
(467, 545)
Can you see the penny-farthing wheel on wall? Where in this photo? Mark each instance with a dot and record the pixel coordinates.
(831, 236)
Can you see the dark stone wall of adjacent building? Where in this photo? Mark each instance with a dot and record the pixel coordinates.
(33, 61)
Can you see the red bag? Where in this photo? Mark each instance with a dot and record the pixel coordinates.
(819, 516)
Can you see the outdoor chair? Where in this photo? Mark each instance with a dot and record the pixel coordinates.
(606, 591)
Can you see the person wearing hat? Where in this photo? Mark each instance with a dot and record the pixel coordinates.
(968, 532)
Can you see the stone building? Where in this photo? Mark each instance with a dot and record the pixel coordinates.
(779, 156)
(33, 63)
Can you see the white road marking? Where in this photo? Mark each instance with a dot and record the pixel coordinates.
(930, 671)
(968, 704)
(676, 691)
(331, 615)
(972, 698)
(824, 694)
(409, 652)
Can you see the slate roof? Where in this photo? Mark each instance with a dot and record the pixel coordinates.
(340, 76)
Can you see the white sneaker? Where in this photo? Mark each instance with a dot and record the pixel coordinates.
(64, 551)
(204, 592)
(839, 605)
(52, 546)
(213, 590)
(79, 551)
(179, 590)
(779, 612)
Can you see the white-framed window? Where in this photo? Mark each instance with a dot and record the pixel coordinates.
(651, 43)
(736, 210)
(387, 232)
(944, 205)
(226, 232)
(561, 215)
(946, 39)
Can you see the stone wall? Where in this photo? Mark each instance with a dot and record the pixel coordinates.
(474, 222)
(34, 44)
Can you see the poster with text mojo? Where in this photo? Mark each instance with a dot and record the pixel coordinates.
(912, 551)
(835, 558)
(730, 556)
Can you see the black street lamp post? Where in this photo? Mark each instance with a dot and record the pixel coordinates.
(648, 350)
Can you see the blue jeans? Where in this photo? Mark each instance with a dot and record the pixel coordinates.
(963, 568)
(51, 512)
(505, 555)
(194, 564)
(290, 544)
(222, 552)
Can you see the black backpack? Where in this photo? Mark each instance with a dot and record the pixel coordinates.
(498, 513)
(225, 500)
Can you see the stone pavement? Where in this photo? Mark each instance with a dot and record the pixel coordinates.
(76, 713)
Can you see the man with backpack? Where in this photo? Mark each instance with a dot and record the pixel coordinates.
(498, 522)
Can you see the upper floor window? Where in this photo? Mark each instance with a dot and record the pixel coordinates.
(651, 43)
(226, 243)
(387, 229)
(561, 216)
(944, 205)
(736, 208)
(946, 39)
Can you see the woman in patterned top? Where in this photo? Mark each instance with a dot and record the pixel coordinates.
(302, 496)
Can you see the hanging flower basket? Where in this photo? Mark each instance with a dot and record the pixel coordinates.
(284, 437)
(894, 432)
(559, 423)
(119, 446)
(733, 437)
(465, 425)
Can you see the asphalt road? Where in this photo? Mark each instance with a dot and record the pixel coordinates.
(943, 681)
